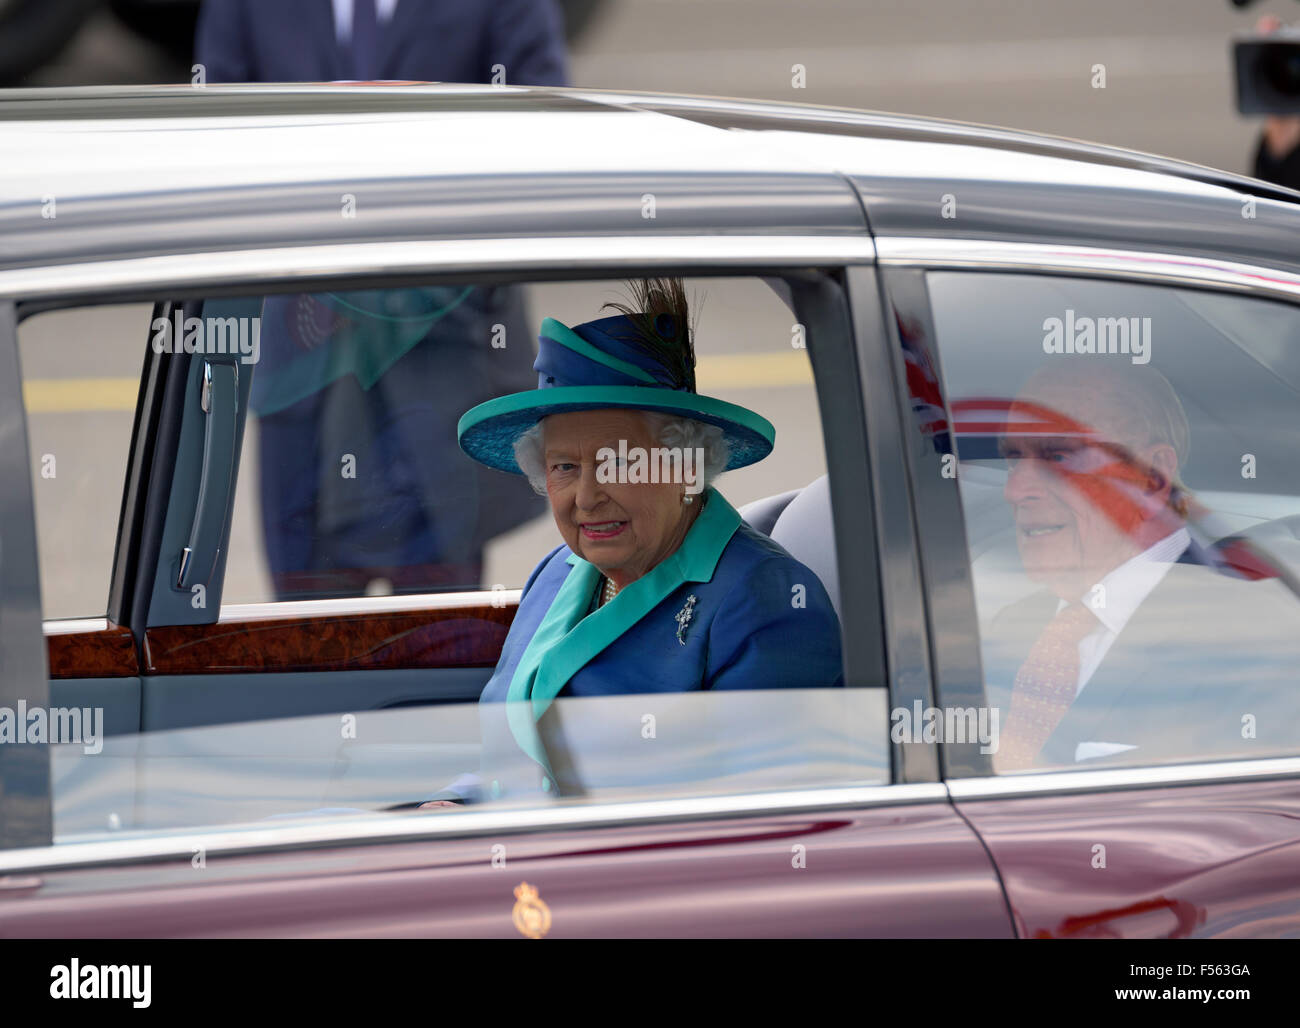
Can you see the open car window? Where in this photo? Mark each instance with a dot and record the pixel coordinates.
(326, 654)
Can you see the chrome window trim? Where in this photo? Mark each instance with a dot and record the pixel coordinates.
(908, 251)
(240, 267)
(273, 610)
(412, 827)
(1110, 779)
(72, 626)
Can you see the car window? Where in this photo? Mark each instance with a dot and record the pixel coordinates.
(81, 377)
(1132, 505)
(320, 692)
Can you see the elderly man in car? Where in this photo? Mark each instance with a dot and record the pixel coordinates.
(1141, 629)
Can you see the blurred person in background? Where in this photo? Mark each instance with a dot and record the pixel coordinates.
(1277, 157)
(368, 40)
(367, 373)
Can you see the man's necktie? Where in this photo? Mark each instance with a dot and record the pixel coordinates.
(365, 40)
(1044, 689)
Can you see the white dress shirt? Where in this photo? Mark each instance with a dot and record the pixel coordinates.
(343, 16)
(1124, 590)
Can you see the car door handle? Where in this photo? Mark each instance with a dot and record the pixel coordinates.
(220, 402)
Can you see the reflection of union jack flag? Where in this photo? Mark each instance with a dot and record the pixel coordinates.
(1106, 471)
(996, 415)
(923, 385)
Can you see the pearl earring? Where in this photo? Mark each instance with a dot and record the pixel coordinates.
(687, 498)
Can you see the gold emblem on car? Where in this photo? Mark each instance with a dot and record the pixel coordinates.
(531, 916)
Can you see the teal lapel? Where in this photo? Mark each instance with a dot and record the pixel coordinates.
(567, 609)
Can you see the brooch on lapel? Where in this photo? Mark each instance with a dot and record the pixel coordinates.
(683, 618)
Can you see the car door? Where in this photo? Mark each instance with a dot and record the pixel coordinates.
(834, 829)
(1163, 800)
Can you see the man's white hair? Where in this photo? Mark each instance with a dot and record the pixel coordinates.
(672, 431)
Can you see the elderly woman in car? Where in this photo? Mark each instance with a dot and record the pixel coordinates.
(659, 586)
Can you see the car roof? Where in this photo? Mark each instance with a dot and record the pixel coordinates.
(147, 170)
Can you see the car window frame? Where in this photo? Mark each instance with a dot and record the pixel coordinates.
(904, 264)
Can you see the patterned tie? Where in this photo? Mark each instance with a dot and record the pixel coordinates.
(365, 40)
(1044, 689)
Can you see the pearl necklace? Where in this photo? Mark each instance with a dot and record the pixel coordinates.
(610, 591)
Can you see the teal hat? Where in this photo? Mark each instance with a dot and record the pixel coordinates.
(612, 362)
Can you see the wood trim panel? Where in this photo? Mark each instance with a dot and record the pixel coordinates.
(90, 649)
(469, 635)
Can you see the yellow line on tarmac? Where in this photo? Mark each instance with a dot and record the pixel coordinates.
(753, 370)
(73, 395)
(719, 372)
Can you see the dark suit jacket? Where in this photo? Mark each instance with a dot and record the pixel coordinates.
(1204, 650)
(435, 507)
(419, 511)
(1283, 171)
(424, 40)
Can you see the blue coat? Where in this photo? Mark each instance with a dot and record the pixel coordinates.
(424, 41)
(730, 609)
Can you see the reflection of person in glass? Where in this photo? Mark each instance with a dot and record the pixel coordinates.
(1093, 481)
(1101, 519)
(659, 585)
(352, 393)
(361, 483)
